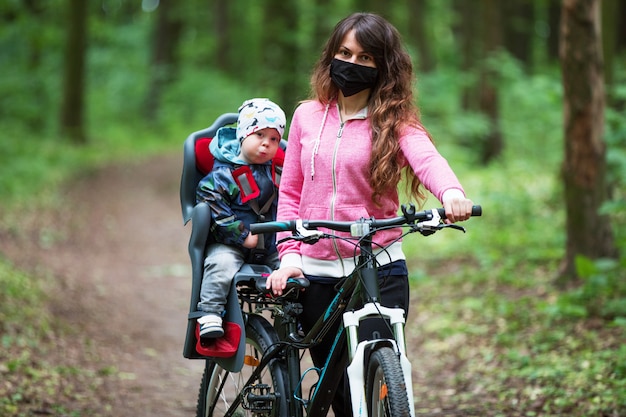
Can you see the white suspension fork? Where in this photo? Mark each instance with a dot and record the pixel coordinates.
(357, 351)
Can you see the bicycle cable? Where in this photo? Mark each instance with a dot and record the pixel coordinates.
(374, 257)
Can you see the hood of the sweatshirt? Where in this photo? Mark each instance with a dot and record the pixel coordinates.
(225, 146)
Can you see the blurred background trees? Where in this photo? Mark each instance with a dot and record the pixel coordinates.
(267, 46)
(73, 93)
(84, 68)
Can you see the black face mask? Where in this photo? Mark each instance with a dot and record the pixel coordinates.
(352, 78)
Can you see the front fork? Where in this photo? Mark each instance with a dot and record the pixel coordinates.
(359, 352)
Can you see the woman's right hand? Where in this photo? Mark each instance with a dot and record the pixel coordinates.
(277, 281)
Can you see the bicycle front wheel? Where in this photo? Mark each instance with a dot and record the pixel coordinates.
(265, 396)
(385, 388)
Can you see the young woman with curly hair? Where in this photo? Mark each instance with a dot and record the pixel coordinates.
(348, 147)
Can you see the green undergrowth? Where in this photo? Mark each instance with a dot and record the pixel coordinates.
(509, 344)
(46, 368)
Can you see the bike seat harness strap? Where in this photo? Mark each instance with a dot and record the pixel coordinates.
(260, 212)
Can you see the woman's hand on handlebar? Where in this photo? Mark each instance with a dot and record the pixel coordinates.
(277, 281)
(458, 207)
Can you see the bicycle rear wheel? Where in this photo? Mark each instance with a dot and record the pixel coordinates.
(385, 388)
(266, 396)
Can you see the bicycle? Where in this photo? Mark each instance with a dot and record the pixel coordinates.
(270, 382)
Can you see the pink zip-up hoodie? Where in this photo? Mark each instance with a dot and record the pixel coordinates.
(325, 176)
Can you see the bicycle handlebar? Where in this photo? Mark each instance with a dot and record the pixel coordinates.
(410, 216)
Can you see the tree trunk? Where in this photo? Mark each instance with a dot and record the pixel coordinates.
(584, 167)
(36, 52)
(73, 102)
(554, 22)
(166, 36)
(221, 27)
(621, 33)
(465, 29)
(517, 33)
(280, 69)
(610, 24)
(488, 92)
(417, 32)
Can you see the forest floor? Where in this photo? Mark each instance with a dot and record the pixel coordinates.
(115, 266)
(118, 280)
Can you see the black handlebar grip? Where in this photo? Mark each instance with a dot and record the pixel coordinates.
(476, 211)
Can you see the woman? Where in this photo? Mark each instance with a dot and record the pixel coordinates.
(348, 147)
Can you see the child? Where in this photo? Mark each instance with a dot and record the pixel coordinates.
(242, 158)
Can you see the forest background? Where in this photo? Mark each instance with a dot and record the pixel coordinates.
(87, 84)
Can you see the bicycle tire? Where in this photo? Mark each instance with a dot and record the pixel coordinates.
(219, 387)
(385, 387)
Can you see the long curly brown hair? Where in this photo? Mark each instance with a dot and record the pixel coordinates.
(391, 104)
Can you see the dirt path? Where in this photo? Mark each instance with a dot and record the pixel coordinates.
(117, 253)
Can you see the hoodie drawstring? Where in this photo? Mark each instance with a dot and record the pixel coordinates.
(316, 145)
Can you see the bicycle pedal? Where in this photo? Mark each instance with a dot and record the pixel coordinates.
(258, 398)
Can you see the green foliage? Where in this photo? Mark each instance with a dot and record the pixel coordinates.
(499, 341)
(521, 191)
(615, 137)
(602, 293)
(34, 372)
(199, 96)
(19, 300)
(441, 109)
(489, 315)
(32, 166)
(114, 96)
(527, 132)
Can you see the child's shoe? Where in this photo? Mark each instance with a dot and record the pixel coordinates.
(210, 326)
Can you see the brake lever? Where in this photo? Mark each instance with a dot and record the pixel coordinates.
(454, 226)
(427, 230)
(428, 227)
(309, 240)
(299, 238)
(304, 235)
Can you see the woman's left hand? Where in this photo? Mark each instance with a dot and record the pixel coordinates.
(458, 207)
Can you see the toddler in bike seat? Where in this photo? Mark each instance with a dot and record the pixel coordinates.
(242, 188)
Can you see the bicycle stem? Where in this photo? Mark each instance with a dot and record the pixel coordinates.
(369, 273)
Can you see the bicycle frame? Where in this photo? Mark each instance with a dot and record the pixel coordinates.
(359, 288)
(357, 298)
(366, 273)
(346, 348)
